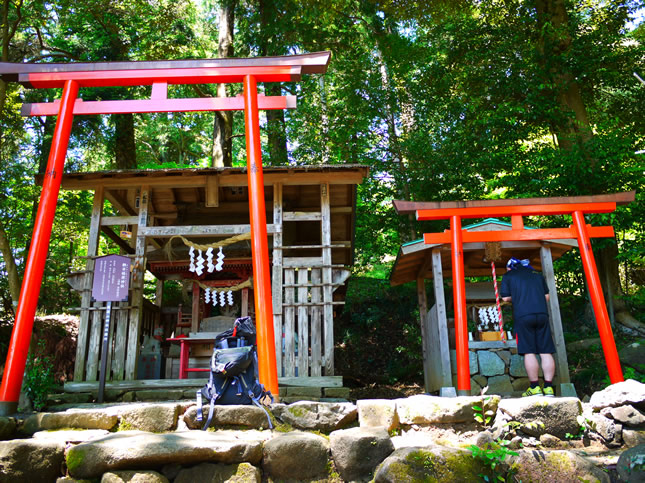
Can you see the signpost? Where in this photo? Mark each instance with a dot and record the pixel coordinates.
(111, 283)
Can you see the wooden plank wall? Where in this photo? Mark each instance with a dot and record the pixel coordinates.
(303, 297)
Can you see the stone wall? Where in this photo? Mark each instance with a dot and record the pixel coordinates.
(419, 438)
(496, 365)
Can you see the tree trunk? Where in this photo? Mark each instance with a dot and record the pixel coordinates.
(124, 149)
(574, 130)
(10, 266)
(276, 127)
(222, 154)
(408, 223)
(554, 40)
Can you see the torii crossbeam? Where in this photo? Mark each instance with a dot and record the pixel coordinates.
(577, 207)
(158, 74)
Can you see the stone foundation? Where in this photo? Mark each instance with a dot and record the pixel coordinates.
(498, 366)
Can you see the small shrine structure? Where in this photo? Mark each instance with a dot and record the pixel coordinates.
(460, 252)
(311, 210)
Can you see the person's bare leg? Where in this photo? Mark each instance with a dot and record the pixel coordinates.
(532, 366)
(548, 366)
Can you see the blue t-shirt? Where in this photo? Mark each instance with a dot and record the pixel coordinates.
(527, 288)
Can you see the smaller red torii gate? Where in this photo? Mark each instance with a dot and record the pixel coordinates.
(577, 207)
(157, 74)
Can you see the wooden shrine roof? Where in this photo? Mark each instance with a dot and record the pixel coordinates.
(218, 197)
(414, 256)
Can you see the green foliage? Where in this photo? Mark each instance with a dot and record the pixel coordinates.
(39, 376)
(494, 456)
(483, 412)
(378, 338)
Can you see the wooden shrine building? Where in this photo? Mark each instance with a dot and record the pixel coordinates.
(419, 262)
(161, 216)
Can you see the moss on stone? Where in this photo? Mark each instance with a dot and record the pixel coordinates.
(429, 467)
(74, 459)
(298, 412)
(125, 425)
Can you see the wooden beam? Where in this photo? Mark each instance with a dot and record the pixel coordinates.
(119, 220)
(327, 291)
(424, 323)
(212, 191)
(227, 179)
(138, 273)
(117, 239)
(442, 320)
(86, 297)
(301, 216)
(76, 387)
(554, 315)
(200, 230)
(120, 203)
(277, 275)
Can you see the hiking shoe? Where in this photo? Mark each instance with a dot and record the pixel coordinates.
(533, 391)
(548, 391)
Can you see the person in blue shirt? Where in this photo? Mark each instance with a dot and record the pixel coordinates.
(529, 294)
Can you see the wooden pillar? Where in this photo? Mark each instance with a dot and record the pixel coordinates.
(425, 332)
(86, 297)
(158, 292)
(194, 324)
(138, 272)
(245, 303)
(303, 322)
(443, 343)
(277, 276)
(554, 314)
(328, 308)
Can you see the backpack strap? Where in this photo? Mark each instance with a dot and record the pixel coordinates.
(256, 399)
(211, 408)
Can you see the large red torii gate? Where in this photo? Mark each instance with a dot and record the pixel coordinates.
(577, 207)
(158, 74)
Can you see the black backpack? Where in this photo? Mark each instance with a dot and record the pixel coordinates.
(233, 372)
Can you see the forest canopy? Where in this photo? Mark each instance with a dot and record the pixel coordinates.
(442, 100)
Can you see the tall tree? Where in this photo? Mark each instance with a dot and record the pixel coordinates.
(222, 153)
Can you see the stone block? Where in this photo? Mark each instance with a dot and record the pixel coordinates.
(147, 476)
(138, 449)
(490, 364)
(448, 391)
(303, 392)
(316, 415)
(567, 389)
(155, 418)
(378, 413)
(500, 385)
(472, 362)
(482, 381)
(426, 410)
(295, 456)
(30, 460)
(517, 368)
(339, 392)
(505, 356)
(160, 395)
(358, 451)
(81, 419)
(242, 472)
